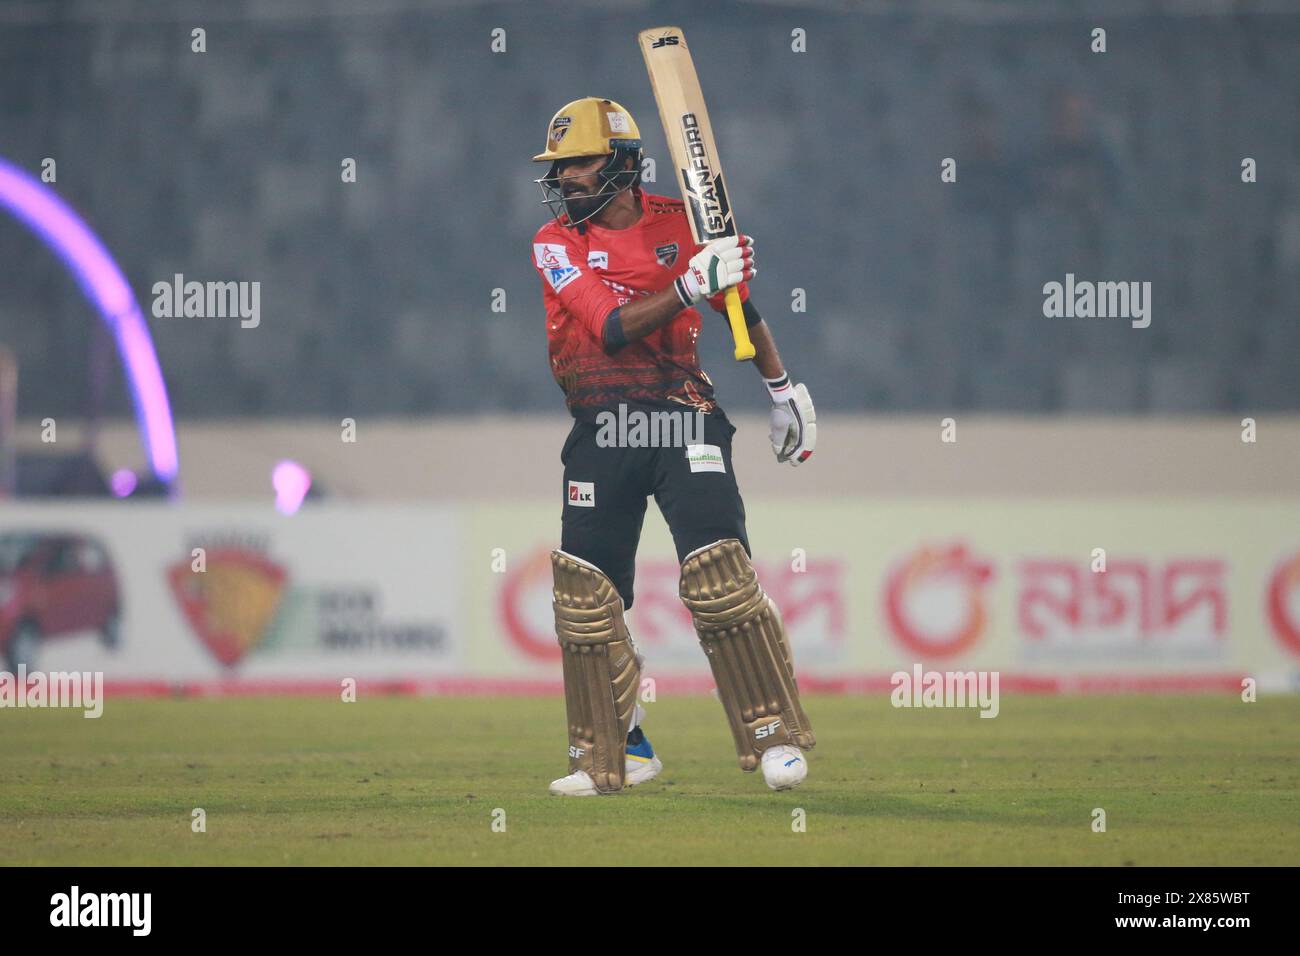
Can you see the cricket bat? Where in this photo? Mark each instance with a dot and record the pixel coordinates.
(694, 155)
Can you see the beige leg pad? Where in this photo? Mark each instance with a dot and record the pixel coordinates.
(742, 634)
(601, 670)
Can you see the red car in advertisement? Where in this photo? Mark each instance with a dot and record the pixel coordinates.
(52, 586)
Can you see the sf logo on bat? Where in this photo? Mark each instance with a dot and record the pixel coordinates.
(705, 192)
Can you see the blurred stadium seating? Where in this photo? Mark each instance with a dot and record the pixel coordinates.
(376, 295)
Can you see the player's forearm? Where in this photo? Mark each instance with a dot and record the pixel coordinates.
(766, 358)
(716, 267)
(640, 317)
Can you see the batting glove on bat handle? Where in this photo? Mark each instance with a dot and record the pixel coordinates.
(794, 421)
(717, 267)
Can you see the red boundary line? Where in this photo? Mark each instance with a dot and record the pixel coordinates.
(536, 687)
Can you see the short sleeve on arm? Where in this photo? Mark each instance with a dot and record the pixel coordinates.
(579, 290)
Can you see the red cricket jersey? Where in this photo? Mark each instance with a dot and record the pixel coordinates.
(586, 275)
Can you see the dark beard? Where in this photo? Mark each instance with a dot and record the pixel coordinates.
(580, 208)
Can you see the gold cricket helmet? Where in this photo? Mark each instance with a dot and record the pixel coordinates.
(589, 127)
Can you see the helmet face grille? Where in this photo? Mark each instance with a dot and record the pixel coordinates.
(613, 178)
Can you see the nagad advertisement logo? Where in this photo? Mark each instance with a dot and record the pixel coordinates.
(231, 603)
(1283, 603)
(935, 600)
(1145, 608)
(1134, 603)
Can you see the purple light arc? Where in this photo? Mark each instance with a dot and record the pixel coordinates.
(104, 285)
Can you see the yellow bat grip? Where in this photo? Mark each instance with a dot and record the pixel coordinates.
(739, 331)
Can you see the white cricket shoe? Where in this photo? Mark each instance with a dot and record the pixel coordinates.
(640, 765)
(784, 767)
(639, 770)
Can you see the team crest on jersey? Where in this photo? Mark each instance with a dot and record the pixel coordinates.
(666, 254)
(598, 260)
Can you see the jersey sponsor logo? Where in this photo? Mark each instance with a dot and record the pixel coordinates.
(550, 255)
(559, 278)
(598, 260)
(705, 458)
(666, 254)
(553, 259)
(582, 494)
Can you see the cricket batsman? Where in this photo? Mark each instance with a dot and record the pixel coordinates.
(622, 280)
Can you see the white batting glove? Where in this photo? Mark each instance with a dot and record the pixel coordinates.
(794, 421)
(718, 266)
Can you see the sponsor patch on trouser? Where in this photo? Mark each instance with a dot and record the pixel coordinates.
(705, 458)
(582, 494)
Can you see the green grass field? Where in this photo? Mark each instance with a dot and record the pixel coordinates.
(1183, 780)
